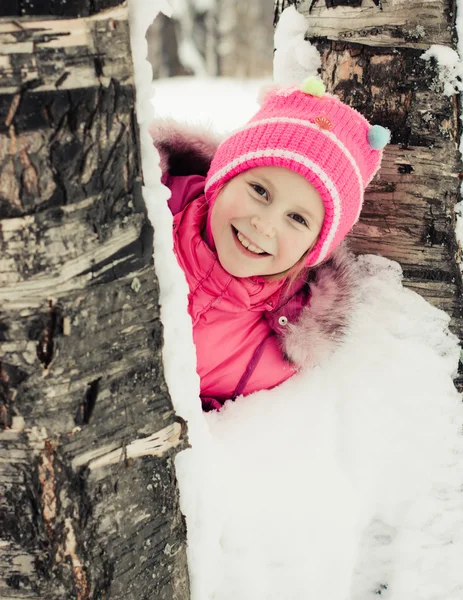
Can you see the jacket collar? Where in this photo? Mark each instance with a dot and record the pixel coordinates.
(204, 268)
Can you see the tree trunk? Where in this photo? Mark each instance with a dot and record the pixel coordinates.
(88, 495)
(371, 58)
(163, 48)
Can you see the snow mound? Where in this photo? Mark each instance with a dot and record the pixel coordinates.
(343, 479)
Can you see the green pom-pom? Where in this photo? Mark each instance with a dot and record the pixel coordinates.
(378, 137)
(313, 86)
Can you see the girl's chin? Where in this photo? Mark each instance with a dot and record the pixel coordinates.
(239, 271)
(242, 268)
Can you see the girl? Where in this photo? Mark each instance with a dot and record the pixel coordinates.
(258, 223)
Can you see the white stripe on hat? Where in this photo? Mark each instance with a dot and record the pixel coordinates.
(313, 126)
(303, 160)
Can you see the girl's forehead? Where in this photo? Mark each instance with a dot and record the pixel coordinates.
(280, 179)
(276, 175)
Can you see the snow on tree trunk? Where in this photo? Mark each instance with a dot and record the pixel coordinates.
(372, 59)
(88, 494)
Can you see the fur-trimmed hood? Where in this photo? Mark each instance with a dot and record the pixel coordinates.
(309, 331)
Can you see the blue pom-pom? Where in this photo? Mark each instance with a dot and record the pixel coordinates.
(378, 137)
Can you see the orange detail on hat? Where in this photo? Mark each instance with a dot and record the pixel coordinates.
(323, 123)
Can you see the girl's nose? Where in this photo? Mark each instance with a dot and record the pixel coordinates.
(263, 226)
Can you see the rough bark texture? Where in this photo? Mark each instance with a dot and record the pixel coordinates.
(88, 496)
(409, 209)
(389, 23)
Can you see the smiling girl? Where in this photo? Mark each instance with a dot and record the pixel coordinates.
(258, 223)
(269, 215)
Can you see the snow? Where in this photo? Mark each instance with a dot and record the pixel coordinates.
(222, 103)
(450, 67)
(344, 482)
(294, 58)
(278, 499)
(184, 390)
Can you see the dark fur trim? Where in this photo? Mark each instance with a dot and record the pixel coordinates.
(322, 325)
(184, 149)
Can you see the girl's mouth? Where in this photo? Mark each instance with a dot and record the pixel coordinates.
(246, 246)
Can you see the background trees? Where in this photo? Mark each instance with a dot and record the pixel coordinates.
(215, 38)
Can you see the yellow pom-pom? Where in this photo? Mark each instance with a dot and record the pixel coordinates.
(313, 86)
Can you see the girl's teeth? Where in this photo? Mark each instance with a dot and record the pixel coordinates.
(248, 245)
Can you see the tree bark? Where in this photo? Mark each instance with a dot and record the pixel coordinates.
(88, 496)
(371, 58)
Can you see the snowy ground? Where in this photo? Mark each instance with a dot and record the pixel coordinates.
(222, 104)
(344, 482)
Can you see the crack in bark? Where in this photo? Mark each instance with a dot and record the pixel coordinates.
(62, 78)
(6, 419)
(85, 410)
(335, 3)
(10, 378)
(433, 236)
(46, 345)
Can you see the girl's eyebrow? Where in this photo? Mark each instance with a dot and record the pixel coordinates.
(266, 181)
(306, 211)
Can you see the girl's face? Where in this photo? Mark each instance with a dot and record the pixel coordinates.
(264, 220)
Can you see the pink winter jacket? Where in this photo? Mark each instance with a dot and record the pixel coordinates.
(249, 334)
(237, 350)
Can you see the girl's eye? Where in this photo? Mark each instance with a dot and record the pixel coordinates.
(299, 219)
(260, 190)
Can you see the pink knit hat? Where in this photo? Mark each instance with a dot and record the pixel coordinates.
(316, 135)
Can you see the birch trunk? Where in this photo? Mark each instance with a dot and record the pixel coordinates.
(88, 495)
(372, 59)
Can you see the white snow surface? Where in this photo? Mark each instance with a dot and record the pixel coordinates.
(450, 67)
(344, 482)
(222, 103)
